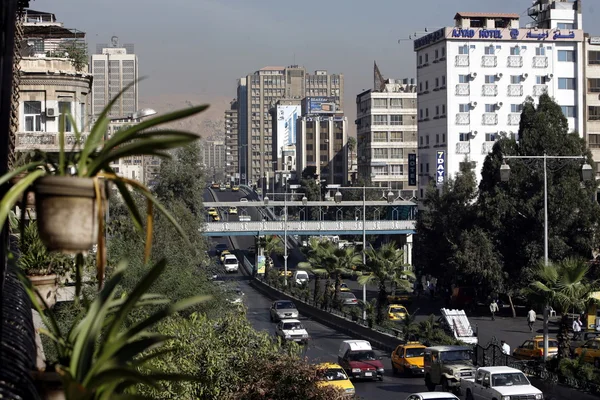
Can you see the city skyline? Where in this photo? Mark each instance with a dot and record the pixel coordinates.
(349, 36)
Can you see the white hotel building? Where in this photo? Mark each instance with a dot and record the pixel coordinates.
(474, 77)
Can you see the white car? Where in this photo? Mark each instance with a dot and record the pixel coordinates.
(243, 200)
(432, 395)
(231, 263)
(293, 330)
(300, 277)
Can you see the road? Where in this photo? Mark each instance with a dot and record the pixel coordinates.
(324, 342)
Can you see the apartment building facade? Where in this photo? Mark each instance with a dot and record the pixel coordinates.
(591, 47)
(214, 159)
(474, 77)
(232, 165)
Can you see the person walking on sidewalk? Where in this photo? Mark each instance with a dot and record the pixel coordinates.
(494, 309)
(531, 317)
(505, 347)
(577, 327)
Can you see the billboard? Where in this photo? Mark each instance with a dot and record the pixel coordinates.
(440, 167)
(261, 264)
(412, 169)
(320, 105)
(286, 126)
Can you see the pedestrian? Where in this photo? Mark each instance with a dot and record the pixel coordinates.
(577, 327)
(531, 317)
(493, 309)
(505, 347)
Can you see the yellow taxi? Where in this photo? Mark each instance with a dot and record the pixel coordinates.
(212, 212)
(533, 349)
(343, 287)
(396, 312)
(330, 374)
(408, 359)
(235, 188)
(232, 210)
(228, 186)
(216, 217)
(282, 272)
(592, 351)
(223, 255)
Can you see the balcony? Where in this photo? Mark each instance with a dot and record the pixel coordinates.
(463, 119)
(45, 141)
(462, 89)
(463, 147)
(539, 90)
(489, 61)
(489, 90)
(489, 119)
(540, 62)
(514, 62)
(487, 147)
(514, 119)
(515, 90)
(462, 60)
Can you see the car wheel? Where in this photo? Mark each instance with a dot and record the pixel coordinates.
(445, 386)
(469, 395)
(380, 378)
(430, 385)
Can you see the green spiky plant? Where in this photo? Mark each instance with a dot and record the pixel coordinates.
(100, 357)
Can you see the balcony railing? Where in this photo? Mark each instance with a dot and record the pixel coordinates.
(46, 141)
(462, 89)
(489, 90)
(489, 61)
(463, 147)
(462, 60)
(539, 90)
(515, 62)
(514, 119)
(490, 119)
(487, 147)
(540, 62)
(515, 90)
(463, 119)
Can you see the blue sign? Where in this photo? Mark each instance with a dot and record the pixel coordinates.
(514, 33)
(431, 38)
(440, 169)
(483, 33)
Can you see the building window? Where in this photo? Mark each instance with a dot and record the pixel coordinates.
(32, 111)
(379, 153)
(421, 171)
(420, 60)
(593, 85)
(395, 136)
(566, 83)
(420, 86)
(490, 137)
(395, 119)
(490, 50)
(380, 136)
(565, 25)
(569, 111)
(396, 153)
(379, 103)
(396, 103)
(379, 170)
(540, 51)
(426, 168)
(437, 53)
(594, 140)
(515, 51)
(427, 140)
(464, 79)
(421, 114)
(396, 169)
(566, 55)
(443, 109)
(437, 138)
(437, 110)
(516, 79)
(594, 113)
(64, 109)
(490, 79)
(464, 137)
(540, 80)
(427, 113)
(437, 82)
(443, 51)
(443, 138)
(490, 108)
(426, 57)
(380, 120)
(594, 57)
(443, 80)
(516, 108)
(463, 49)
(464, 108)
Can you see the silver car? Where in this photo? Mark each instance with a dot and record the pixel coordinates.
(348, 298)
(283, 309)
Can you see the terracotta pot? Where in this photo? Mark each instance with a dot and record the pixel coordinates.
(47, 286)
(67, 214)
(49, 385)
(30, 203)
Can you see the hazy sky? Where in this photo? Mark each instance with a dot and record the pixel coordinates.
(203, 46)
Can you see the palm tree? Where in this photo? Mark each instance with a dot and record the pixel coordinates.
(346, 258)
(315, 257)
(270, 245)
(409, 326)
(385, 264)
(563, 286)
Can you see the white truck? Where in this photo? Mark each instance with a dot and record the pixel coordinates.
(499, 383)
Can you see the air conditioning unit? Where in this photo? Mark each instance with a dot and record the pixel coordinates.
(525, 75)
(499, 104)
(474, 133)
(473, 75)
(549, 76)
(499, 75)
(50, 112)
(473, 104)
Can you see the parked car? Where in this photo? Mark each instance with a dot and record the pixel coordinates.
(347, 298)
(447, 365)
(282, 309)
(359, 360)
(408, 358)
(396, 312)
(220, 247)
(592, 351)
(330, 374)
(533, 349)
(583, 338)
(292, 330)
(231, 263)
(235, 188)
(282, 272)
(432, 396)
(494, 383)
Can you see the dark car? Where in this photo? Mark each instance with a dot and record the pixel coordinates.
(221, 247)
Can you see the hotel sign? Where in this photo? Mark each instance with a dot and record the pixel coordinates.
(412, 169)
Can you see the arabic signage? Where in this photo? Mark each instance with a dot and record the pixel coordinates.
(440, 169)
(320, 105)
(506, 34)
(595, 40)
(412, 169)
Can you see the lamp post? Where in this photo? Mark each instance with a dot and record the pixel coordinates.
(586, 175)
(338, 199)
(285, 244)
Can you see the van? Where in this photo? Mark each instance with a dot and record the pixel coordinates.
(359, 360)
(300, 277)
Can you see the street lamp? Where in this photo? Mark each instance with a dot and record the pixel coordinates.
(586, 175)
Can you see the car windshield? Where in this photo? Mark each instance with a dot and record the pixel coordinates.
(347, 295)
(551, 343)
(456, 355)
(397, 309)
(366, 355)
(509, 379)
(334, 374)
(418, 352)
(284, 305)
(231, 260)
(292, 326)
(301, 275)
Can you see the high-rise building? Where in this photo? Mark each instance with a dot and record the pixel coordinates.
(242, 128)
(591, 51)
(213, 159)
(114, 68)
(386, 126)
(232, 170)
(474, 77)
(263, 89)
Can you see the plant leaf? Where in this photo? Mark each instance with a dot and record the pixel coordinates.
(13, 194)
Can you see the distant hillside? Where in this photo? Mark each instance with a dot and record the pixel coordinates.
(209, 124)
